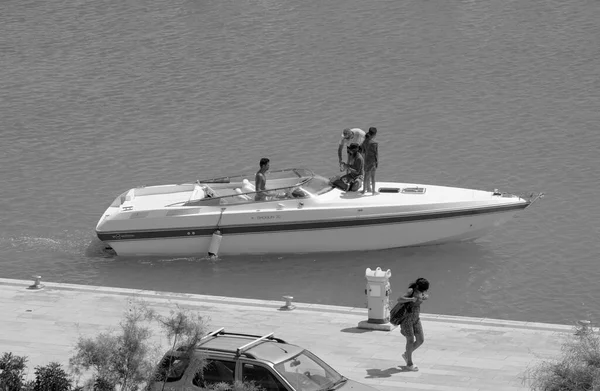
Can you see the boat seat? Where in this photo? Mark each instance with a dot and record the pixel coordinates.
(247, 187)
(197, 194)
(240, 195)
(209, 192)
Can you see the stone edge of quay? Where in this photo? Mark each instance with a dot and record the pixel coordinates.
(24, 284)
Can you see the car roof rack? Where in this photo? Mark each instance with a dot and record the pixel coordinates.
(242, 349)
(247, 346)
(214, 333)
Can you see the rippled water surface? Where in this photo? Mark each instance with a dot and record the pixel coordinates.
(97, 97)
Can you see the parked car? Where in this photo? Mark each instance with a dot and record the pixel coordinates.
(269, 362)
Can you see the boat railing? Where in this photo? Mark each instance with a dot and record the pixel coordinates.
(532, 197)
(528, 197)
(276, 174)
(221, 197)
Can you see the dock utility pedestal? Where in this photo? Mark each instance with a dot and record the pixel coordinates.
(378, 294)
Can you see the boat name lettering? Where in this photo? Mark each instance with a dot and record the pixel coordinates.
(270, 217)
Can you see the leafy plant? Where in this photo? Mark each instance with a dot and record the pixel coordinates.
(51, 378)
(185, 330)
(30, 384)
(117, 359)
(101, 384)
(578, 369)
(121, 360)
(12, 372)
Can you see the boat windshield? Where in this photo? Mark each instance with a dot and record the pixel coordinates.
(317, 185)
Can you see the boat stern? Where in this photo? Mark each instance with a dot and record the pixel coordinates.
(120, 203)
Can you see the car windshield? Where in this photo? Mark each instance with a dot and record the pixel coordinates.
(307, 372)
(317, 185)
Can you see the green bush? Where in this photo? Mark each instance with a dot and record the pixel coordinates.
(51, 378)
(101, 384)
(578, 368)
(184, 330)
(121, 360)
(12, 372)
(118, 359)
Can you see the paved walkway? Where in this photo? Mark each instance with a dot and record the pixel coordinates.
(459, 353)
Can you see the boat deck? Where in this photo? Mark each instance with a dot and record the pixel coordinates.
(158, 201)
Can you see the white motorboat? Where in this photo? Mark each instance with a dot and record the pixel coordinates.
(300, 213)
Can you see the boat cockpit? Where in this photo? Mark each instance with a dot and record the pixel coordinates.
(281, 185)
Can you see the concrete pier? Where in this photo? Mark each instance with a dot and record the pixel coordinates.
(459, 353)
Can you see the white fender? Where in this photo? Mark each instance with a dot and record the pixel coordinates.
(215, 243)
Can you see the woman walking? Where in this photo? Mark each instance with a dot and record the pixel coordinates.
(411, 326)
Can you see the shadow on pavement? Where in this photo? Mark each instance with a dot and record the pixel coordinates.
(355, 330)
(378, 373)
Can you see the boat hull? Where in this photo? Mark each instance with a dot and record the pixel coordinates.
(315, 238)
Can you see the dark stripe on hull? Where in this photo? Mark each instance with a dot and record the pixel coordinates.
(312, 225)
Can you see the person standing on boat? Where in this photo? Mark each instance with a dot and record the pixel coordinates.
(411, 326)
(349, 136)
(260, 180)
(371, 150)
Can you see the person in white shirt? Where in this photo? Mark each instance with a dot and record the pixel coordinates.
(349, 136)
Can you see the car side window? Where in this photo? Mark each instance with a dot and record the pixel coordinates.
(214, 372)
(262, 377)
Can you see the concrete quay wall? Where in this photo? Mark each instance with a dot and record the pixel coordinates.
(459, 353)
